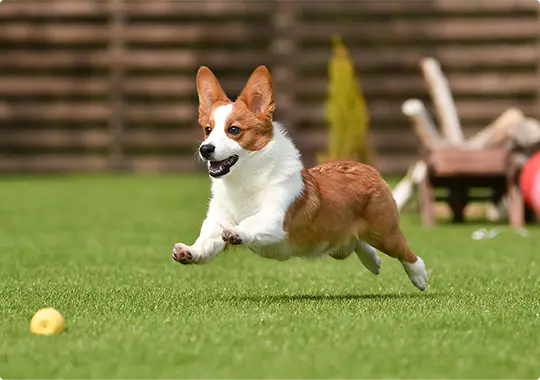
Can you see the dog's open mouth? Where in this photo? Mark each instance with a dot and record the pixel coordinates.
(219, 168)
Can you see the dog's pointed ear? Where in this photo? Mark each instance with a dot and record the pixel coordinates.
(208, 89)
(258, 94)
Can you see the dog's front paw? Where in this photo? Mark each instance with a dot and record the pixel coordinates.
(233, 237)
(181, 253)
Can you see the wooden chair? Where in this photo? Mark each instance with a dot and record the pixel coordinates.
(458, 164)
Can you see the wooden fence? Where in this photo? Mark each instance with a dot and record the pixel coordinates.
(96, 85)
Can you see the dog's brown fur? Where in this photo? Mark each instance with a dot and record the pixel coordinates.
(343, 199)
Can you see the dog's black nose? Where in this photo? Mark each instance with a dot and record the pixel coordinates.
(207, 150)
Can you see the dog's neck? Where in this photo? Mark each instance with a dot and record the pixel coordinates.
(273, 164)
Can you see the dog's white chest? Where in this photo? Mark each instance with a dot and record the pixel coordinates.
(243, 207)
(239, 202)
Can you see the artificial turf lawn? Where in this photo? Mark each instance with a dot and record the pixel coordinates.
(98, 249)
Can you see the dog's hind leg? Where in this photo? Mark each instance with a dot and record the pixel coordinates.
(385, 235)
(368, 256)
(394, 245)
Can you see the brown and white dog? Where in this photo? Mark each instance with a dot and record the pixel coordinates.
(263, 197)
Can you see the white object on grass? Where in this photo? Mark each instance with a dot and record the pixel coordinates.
(484, 233)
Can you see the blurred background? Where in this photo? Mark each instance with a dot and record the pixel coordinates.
(99, 85)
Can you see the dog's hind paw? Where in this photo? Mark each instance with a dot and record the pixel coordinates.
(417, 273)
(231, 237)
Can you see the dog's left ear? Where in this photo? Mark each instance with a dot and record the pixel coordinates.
(258, 94)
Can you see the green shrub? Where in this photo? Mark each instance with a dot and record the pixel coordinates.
(346, 111)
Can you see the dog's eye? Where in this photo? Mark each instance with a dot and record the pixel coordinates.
(207, 130)
(234, 130)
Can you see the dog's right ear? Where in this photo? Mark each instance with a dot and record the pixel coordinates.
(209, 90)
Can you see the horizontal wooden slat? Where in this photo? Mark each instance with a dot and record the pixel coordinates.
(453, 57)
(53, 85)
(187, 112)
(56, 8)
(168, 8)
(136, 59)
(25, 32)
(53, 163)
(153, 163)
(395, 163)
(381, 110)
(449, 56)
(39, 8)
(65, 111)
(409, 86)
(155, 139)
(317, 139)
(54, 138)
(188, 59)
(160, 112)
(221, 8)
(55, 59)
(472, 162)
(423, 30)
(374, 84)
(393, 7)
(459, 56)
(161, 85)
(155, 33)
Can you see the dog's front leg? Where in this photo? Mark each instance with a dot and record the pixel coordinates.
(263, 228)
(266, 226)
(207, 246)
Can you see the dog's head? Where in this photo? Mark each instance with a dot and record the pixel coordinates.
(234, 130)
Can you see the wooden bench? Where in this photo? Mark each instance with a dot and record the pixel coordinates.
(459, 170)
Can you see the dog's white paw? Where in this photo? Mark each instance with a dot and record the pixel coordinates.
(183, 254)
(233, 236)
(417, 273)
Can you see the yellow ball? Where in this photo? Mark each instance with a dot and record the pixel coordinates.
(47, 321)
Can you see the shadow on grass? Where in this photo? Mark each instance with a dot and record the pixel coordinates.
(283, 298)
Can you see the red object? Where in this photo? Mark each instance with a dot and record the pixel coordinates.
(529, 182)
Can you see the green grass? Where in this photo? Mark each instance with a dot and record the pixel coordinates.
(98, 249)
